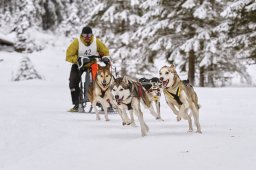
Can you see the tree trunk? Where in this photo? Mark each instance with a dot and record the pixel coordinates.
(191, 67)
(210, 76)
(123, 68)
(202, 71)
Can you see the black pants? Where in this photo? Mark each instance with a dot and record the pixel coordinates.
(74, 80)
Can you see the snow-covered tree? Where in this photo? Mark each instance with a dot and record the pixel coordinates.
(71, 24)
(115, 23)
(26, 71)
(177, 30)
(23, 22)
(77, 13)
(238, 34)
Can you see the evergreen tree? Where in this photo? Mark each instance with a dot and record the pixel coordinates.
(26, 71)
(71, 24)
(116, 22)
(177, 30)
(237, 36)
(23, 22)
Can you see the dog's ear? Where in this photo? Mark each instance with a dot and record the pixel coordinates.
(172, 68)
(99, 67)
(107, 66)
(125, 80)
(114, 79)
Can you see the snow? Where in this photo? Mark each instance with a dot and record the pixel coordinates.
(36, 132)
(200, 12)
(7, 37)
(189, 4)
(251, 7)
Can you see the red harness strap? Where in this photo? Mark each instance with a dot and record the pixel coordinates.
(138, 87)
(139, 90)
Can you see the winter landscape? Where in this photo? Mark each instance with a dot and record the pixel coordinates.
(37, 132)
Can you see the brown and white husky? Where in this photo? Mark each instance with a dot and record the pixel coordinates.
(181, 98)
(99, 91)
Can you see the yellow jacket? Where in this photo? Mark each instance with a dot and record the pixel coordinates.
(72, 51)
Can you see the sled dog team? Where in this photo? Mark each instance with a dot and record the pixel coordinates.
(127, 95)
(123, 93)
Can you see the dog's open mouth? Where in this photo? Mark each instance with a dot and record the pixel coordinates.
(165, 83)
(119, 101)
(104, 84)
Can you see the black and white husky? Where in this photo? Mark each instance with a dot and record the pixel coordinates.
(127, 95)
(153, 87)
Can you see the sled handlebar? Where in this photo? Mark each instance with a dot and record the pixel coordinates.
(86, 59)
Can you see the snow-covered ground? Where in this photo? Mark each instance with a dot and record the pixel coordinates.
(36, 132)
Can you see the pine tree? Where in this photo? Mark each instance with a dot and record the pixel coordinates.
(26, 71)
(236, 41)
(23, 22)
(116, 22)
(71, 24)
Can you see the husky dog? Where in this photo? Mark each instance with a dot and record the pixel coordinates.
(180, 98)
(152, 87)
(127, 95)
(99, 90)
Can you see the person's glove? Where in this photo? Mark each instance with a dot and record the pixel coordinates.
(105, 60)
(82, 61)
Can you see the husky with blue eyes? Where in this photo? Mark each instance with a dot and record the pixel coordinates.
(127, 95)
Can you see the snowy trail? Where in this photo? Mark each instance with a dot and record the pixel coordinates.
(44, 136)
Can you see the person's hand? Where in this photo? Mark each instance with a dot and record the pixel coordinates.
(82, 61)
(105, 60)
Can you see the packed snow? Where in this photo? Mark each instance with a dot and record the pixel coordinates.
(37, 132)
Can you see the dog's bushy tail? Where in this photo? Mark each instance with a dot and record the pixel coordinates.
(145, 98)
(195, 98)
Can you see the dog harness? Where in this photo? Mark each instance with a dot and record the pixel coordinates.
(129, 105)
(136, 88)
(104, 91)
(175, 96)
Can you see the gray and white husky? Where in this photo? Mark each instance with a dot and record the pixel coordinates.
(180, 97)
(127, 95)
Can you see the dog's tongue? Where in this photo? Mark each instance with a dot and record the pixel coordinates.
(119, 101)
(165, 83)
(104, 84)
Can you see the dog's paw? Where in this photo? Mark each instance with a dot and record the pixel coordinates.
(133, 125)
(190, 130)
(143, 134)
(123, 123)
(107, 119)
(199, 131)
(159, 118)
(178, 118)
(97, 118)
